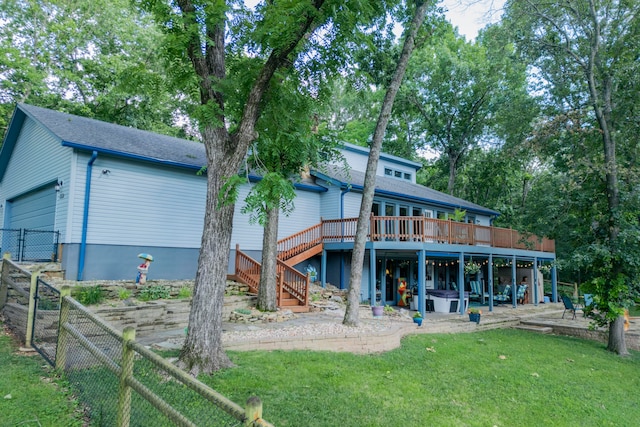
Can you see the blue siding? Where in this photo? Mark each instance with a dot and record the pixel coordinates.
(34, 210)
(37, 160)
(135, 203)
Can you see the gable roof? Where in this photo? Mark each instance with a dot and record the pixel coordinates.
(87, 134)
(392, 187)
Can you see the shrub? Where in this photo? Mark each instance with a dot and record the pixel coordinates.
(152, 293)
(124, 294)
(184, 292)
(90, 295)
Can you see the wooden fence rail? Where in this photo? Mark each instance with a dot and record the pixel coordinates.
(251, 415)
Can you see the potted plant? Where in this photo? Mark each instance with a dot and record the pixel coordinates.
(417, 318)
(377, 309)
(474, 314)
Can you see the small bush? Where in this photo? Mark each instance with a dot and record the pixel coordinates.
(90, 295)
(184, 292)
(243, 311)
(124, 294)
(152, 293)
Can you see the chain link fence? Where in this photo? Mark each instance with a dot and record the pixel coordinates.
(118, 379)
(29, 245)
(44, 332)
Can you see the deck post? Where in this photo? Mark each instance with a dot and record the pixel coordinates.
(461, 307)
(421, 283)
(490, 280)
(513, 281)
(372, 275)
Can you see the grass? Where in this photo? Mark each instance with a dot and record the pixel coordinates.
(492, 378)
(29, 393)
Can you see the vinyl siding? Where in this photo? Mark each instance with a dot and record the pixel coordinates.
(136, 203)
(38, 160)
(352, 203)
(306, 214)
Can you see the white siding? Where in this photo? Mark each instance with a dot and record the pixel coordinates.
(136, 203)
(37, 160)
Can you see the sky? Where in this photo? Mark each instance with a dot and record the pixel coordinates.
(472, 15)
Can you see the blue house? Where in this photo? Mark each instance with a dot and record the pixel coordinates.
(92, 195)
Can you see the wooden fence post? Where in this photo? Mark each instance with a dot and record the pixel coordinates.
(4, 288)
(124, 391)
(32, 309)
(61, 347)
(253, 410)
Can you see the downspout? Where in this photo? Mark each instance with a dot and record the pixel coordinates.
(85, 216)
(342, 193)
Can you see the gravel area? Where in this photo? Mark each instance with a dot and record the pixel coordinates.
(310, 329)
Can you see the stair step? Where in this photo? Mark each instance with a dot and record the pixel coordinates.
(287, 302)
(298, 308)
(534, 328)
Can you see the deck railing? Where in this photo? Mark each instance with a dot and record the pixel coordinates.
(300, 242)
(430, 230)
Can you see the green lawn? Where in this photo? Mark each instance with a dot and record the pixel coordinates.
(28, 394)
(492, 378)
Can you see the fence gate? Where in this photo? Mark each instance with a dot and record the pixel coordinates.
(29, 245)
(44, 333)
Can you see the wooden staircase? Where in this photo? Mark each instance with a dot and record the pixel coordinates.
(292, 286)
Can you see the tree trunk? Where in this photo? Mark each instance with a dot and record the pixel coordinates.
(267, 289)
(352, 314)
(453, 164)
(202, 350)
(617, 342)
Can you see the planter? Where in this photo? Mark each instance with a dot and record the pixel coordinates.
(474, 317)
(418, 320)
(377, 310)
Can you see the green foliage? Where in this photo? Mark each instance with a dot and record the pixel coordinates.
(89, 295)
(99, 59)
(184, 292)
(124, 294)
(388, 309)
(31, 393)
(152, 293)
(243, 311)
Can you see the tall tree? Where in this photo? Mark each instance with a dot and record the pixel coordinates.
(276, 35)
(97, 59)
(459, 94)
(352, 316)
(584, 51)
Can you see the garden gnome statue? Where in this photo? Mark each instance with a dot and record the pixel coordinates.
(143, 269)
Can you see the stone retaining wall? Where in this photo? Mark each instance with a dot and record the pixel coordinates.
(162, 315)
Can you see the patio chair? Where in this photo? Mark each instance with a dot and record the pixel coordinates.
(520, 293)
(569, 305)
(504, 296)
(475, 289)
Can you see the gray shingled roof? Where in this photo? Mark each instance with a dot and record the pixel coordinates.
(90, 134)
(403, 189)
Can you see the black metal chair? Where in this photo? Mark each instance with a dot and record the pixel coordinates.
(569, 305)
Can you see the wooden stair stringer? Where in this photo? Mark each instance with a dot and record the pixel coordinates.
(303, 256)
